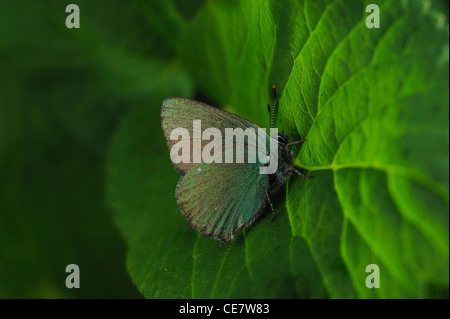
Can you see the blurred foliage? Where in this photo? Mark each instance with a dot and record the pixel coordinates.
(62, 94)
(74, 101)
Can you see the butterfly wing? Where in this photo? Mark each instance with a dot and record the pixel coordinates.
(180, 113)
(220, 199)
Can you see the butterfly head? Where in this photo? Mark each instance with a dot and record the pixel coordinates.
(285, 153)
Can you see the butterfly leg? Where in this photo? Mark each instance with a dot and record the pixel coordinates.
(292, 168)
(297, 142)
(271, 206)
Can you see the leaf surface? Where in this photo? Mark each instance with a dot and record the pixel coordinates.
(373, 104)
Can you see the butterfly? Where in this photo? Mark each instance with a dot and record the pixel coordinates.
(220, 199)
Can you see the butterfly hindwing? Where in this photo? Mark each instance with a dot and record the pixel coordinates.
(220, 199)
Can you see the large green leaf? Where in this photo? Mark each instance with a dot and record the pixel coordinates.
(373, 104)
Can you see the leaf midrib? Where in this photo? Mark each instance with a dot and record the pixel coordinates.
(411, 173)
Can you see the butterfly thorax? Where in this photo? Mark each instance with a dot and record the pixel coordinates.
(285, 159)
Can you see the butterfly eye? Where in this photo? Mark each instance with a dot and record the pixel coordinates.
(281, 139)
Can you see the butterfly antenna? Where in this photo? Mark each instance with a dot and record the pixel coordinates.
(274, 94)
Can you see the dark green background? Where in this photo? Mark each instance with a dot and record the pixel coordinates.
(62, 94)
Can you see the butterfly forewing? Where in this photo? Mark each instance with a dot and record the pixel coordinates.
(180, 113)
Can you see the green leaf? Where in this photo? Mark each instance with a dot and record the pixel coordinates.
(373, 104)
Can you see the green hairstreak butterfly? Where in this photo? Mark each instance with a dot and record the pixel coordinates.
(219, 198)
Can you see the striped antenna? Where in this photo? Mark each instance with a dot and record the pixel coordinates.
(274, 93)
